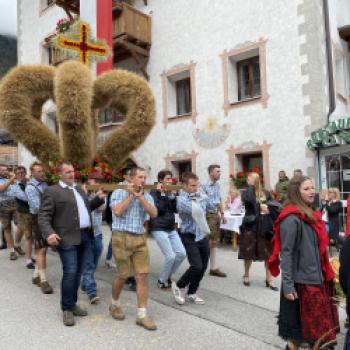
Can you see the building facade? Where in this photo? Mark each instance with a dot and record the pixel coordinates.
(237, 83)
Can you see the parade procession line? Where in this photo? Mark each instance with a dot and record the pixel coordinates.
(234, 316)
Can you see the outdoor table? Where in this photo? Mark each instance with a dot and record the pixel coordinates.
(234, 221)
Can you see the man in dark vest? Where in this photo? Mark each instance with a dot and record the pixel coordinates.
(65, 222)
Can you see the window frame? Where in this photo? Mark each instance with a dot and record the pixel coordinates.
(170, 77)
(234, 55)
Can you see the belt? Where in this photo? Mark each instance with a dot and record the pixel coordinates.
(8, 201)
(85, 229)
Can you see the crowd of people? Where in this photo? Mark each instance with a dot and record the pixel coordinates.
(283, 229)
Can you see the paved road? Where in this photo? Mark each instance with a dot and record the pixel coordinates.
(234, 316)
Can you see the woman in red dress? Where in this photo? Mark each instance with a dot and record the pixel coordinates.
(307, 310)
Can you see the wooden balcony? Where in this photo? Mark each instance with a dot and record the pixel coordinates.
(56, 56)
(344, 33)
(131, 34)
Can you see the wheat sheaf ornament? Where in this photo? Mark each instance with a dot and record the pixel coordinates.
(78, 98)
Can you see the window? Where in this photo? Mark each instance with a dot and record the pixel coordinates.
(251, 161)
(109, 116)
(244, 75)
(183, 97)
(179, 94)
(51, 122)
(248, 72)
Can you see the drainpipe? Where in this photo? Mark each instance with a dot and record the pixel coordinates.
(331, 86)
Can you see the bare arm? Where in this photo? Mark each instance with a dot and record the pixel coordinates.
(7, 184)
(120, 208)
(150, 209)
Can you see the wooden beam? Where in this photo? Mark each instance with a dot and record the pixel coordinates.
(131, 47)
(111, 187)
(140, 65)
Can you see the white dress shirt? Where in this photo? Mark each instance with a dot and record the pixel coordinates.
(84, 217)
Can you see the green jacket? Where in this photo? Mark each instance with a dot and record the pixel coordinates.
(281, 189)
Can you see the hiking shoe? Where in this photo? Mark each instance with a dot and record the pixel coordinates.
(177, 294)
(147, 323)
(163, 285)
(30, 266)
(45, 287)
(13, 256)
(116, 312)
(68, 318)
(94, 299)
(19, 250)
(36, 280)
(79, 311)
(195, 299)
(217, 273)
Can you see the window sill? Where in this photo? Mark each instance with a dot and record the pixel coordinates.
(109, 125)
(180, 117)
(246, 100)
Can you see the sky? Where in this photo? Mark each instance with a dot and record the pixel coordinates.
(8, 17)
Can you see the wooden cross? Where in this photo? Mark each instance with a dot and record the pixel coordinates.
(83, 46)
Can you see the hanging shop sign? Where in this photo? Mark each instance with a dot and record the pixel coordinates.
(335, 133)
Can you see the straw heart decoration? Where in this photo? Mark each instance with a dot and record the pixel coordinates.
(25, 89)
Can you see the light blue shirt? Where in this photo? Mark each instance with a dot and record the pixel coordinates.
(184, 207)
(34, 191)
(134, 217)
(84, 217)
(212, 190)
(97, 217)
(12, 192)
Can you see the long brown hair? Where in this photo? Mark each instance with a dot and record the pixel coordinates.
(294, 196)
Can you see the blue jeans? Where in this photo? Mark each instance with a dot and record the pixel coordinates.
(109, 251)
(173, 250)
(72, 258)
(92, 256)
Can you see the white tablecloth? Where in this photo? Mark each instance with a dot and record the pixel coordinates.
(233, 222)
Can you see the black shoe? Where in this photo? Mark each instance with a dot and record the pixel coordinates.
(3, 246)
(269, 285)
(163, 285)
(30, 266)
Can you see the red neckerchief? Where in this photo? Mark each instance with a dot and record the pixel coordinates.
(322, 237)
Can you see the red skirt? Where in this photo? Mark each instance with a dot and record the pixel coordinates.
(318, 313)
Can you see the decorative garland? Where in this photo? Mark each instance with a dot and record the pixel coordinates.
(82, 174)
